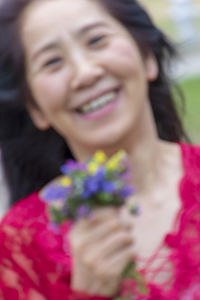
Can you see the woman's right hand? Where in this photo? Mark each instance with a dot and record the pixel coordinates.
(102, 247)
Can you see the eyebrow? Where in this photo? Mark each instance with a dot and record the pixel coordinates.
(88, 27)
(55, 44)
(46, 47)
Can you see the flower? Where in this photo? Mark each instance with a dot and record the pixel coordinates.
(66, 181)
(83, 211)
(134, 209)
(53, 192)
(97, 182)
(72, 166)
(108, 187)
(126, 191)
(93, 167)
(115, 161)
(84, 186)
(91, 185)
(112, 164)
(100, 157)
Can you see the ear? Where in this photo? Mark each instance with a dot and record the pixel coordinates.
(151, 67)
(38, 117)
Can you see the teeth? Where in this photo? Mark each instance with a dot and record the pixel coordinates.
(98, 103)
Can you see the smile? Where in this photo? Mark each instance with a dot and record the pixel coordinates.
(98, 103)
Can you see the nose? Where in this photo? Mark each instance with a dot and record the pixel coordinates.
(87, 71)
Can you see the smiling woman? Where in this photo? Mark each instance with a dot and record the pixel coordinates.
(89, 73)
(72, 83)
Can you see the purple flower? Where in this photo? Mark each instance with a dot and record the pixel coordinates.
(64, 169)
(126, 191)
(100, 175)
(108, 186)
(52, 193)
(126, 176)
(91, 185)
(71, 166)
(83, 211)
(86, 194)
(88, 191)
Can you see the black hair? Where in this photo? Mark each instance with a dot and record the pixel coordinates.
(32, 157)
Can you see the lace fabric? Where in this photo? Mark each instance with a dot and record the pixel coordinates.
(35, 263)
(176, 274)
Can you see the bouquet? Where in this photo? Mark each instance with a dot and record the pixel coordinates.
(98, 182)
(85, 186)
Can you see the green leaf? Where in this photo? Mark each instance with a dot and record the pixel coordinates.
(105, 198)
(55, 213)
(128, 272)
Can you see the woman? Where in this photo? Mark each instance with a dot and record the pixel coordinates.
(93, 82)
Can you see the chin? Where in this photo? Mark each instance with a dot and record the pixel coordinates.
(110, 139)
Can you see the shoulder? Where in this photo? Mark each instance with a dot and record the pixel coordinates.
(26, 229)
(190, 157)
(26, 212)
(190, 183)
(190, 149)
(28, 220)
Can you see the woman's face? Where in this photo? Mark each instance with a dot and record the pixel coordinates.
(85, 72)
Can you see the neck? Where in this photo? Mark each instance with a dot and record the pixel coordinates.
(143, 148)
(144, 153)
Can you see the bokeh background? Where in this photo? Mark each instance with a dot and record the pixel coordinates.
(180, 20)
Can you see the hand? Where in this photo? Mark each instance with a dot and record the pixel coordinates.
(101, 249)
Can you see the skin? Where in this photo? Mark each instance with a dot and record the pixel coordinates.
(71, 59)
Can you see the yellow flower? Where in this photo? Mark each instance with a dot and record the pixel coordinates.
(120, 155)
(93, 167)
(66, 181)
(114, 161)
(100, 157)
(112, 164)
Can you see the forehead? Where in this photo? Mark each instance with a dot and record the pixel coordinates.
(49, 14)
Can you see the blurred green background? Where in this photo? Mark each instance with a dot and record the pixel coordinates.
(188, 75)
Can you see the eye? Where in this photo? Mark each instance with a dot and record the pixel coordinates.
(53, 61)
(97, 40)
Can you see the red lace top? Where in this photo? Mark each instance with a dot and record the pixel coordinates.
(35, 266)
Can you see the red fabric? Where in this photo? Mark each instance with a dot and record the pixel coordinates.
(181, 261)
(34, 266)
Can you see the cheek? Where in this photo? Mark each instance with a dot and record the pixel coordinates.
(124, 58)
(49, 91)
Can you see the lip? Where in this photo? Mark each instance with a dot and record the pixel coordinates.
(95, 96)
(104, 111)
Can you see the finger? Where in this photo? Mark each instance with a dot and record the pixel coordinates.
(109, 247)
(115, 243)
(102, 216)
(99, 237)
(111, 286)
(97, 233)
(101, 230)
(106, 228)
(107, 288)
(119, 262)
(126, 219)
(115, 266)
(99, 215)
(98, 218)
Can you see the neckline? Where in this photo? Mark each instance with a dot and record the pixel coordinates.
(175, 224)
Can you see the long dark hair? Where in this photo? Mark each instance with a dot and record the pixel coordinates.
(31, 157)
